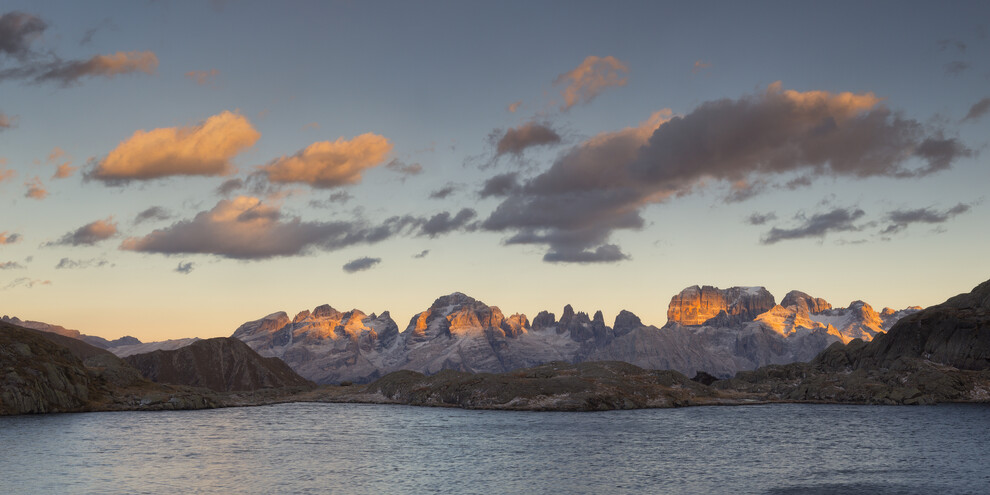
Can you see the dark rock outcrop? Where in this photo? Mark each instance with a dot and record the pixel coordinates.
(220, 364)
(801, 300)
(38, 375)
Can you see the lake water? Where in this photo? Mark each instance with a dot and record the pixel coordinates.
(357, 449)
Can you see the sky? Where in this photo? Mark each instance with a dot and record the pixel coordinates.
(174, 169)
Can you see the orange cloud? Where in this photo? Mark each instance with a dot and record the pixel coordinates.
(56, 154)
(514, 106)
(9, 239)
(36, 190)
(204, 149)
(7, 122)
(6, 173)
(69, 72)
(203, 77)
(590, 78)
(699, 66)
(327, 164)
(64, 171)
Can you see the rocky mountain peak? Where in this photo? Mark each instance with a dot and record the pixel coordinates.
(451, 302)
(326, 311)
(544, 319)
(301, 316)
(813, 305)
(626, 322)
(697, 305)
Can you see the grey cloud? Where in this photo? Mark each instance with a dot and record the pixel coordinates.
(27, 283)
(743, 190)
(761, 218)
(607, 253)
(17, 31)
(444, 223)
(339, 197)
(945, 44)
(601, 185)
(245, 228)
(87, 37)
(9, 239)
(956, 67)
(837, 220)
(422, 254)
(404, 168)
(979, 109)
(361, 264)
(69, 264)
(229, 186)
(69, 72)
(500, 185)
(11, 265)
(443, 192)
(515, 140)
(185, 267)
(900, 219)
(153, 213)
(88, 234)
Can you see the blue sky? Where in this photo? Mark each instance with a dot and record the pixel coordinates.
(431, 84)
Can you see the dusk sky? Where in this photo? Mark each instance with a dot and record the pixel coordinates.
(174, 169)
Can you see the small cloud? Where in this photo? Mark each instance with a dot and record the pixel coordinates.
(742, 189)
(401, 167)
(515, 140)
(837, 220)
(979, 109)
(27, 283)
(443, 192)
(956, 67)
(203, 149)
(6, 174)
(87, 37)
(11, 265)
(17, 31)
(608, 253)
(500, 185)
(203, 77)
(7, 122)
(901, 219)
(444, 223)
(88, 234)
(361, 264)
(229, 186)
(328, 164)
(422, 254)
(35, 189)
(311, 125)
(949, 43)
(153, 213)
(69, 72)
(761, 218)
(700, 66)
(339, 197)
(69, 264)
(185, 267)
(56, 154)
(9, 238)
(514, 106)
(589, 79)
(64, 171)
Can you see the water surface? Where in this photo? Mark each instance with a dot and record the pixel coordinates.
(373, 449)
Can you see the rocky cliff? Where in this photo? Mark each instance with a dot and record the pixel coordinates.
(67, 332)
(702, 305)
(221, 364)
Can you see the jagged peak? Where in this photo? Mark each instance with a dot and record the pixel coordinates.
(452, 300)
(324, 311)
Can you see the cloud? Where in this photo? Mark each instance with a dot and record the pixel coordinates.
(185, 267)
(88, 234)
(203, 77)
(945, 44)
(444, 223)
(979, 109)
(69, 72)
(9, 239)
(422, 254)
(500, 185)
(339, 197)
(7, 122)
(593, 76)
(35, 189)
(514, 106)
(68, 264)
(311, 125)
(152, 213)
(17, 31)
(761, 218)
(6, 174)
(601, 185)
(329, 164)
(700, 66)
(64, 171)
(956, 67)
(229, 186)
(56, 154)
(203, 149)
(401, 167)
(900, 219)
(837, 220)
(361, 264)
(443, 192)
(515, 140)
(27, 283)
(743, 189)
(11, 265)
(87, 37)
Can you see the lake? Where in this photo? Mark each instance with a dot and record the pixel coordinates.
(375, 449)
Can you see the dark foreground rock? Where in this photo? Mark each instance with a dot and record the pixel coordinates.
(557, 386)
(220, 364)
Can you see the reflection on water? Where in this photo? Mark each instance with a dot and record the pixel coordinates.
(348, 448)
